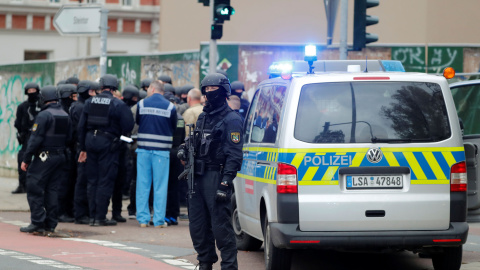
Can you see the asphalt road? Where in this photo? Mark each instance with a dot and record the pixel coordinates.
(127, 246)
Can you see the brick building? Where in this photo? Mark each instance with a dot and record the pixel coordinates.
(27, 31)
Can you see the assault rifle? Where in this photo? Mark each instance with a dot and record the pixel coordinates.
(189, 171)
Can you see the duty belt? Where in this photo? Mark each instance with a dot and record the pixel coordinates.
(103, 133)
(46, 153)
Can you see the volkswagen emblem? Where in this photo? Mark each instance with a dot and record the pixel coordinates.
(374, 155)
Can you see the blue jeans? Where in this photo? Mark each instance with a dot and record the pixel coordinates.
(153, 166)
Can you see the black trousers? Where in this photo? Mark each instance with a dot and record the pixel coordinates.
(42, 184)
(173, 202)
(22, 176)
(66, 186)
(80, 202)
(102, 169)
(210, 222)
(120, 181)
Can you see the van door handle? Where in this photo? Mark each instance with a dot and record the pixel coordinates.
(264, 163)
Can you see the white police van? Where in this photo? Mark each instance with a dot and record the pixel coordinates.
(355, 158)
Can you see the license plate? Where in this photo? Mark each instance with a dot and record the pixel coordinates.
(374, 181)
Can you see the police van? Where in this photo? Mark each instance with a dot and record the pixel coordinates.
(353, 156)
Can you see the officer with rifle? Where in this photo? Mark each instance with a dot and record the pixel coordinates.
(217, 153)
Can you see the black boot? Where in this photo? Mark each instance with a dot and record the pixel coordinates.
(105, 222)
(65, 219)
(82, 220)
(205, 266)
(19, 190)
(32, 228)
(119, 218)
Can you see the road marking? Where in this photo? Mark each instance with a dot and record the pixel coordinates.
(168, 259)
(37, 260)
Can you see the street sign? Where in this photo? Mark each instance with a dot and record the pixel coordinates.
(78, 20)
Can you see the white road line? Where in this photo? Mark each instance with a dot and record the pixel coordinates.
(169, 259)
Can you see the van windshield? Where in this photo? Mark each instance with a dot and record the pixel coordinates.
(371, 112)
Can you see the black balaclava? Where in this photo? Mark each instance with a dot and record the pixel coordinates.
(129, 102)
(215, 99)
(33, 97)
(66, 102)
(85, 95)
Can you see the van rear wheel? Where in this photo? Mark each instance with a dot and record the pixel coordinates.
(275, 258)
(449, 259)
(244, 241)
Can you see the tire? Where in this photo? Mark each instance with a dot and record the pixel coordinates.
(275, 258)
(244, 241)
(449, 259)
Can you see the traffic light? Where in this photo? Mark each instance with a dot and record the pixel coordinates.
(222, 11)
(204, 2)
(217, 31)
(361, 21)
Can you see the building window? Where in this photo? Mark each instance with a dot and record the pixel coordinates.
(55, 1)
(35, 55)
(91, 1)
(127, 3)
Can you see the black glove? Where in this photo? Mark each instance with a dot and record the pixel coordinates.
(182, 152)
(222, 191)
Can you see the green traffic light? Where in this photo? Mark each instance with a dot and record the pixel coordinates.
(226, 11)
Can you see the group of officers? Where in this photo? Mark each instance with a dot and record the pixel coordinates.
(73, 162)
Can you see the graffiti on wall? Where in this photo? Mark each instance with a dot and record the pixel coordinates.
(182, 73)
(432, 60)
(11, 95)
(84, 69)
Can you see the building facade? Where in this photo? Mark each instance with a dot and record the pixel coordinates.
(27, 31)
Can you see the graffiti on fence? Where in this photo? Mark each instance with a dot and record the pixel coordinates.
(182, 73)
(12, 94)
(433, 60)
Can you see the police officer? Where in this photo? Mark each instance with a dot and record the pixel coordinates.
(104, 119)
(218, 158)
(50, 135)
(237, 89)
(144, 85)
(67, 93)
(80, 202)
(25, 116)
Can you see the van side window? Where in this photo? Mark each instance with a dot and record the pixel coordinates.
(250, 117)
(267, 114)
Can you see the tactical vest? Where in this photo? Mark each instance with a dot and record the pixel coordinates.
(209, 138)
(179, 133)
(56, 136)
(99, 109)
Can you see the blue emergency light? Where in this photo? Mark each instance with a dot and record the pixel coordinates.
(310, 56)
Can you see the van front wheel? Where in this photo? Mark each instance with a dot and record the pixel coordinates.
(244, 241)
(275, 258)
(449, 259)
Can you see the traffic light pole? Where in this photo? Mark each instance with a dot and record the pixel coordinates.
(343, 29)
(213, 43)
(103, 40)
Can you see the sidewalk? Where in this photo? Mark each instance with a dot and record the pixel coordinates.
(9, 201)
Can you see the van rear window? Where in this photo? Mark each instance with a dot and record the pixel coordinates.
(371, 112)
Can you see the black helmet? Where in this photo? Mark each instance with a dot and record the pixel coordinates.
(165, 79)
(186, 88)
(84, 86)
(130, 91)
(95, 86)
(31, 85)
(109, 81)
(72, 80)
(216, 79)
(169, 96)
(169, 88)
(237, 85)
(142, 94)
(49, 93)
(145, 83)
(61, 82)
(66, 90)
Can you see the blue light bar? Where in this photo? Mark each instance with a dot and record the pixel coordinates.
(392, 65)
(278, 68)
